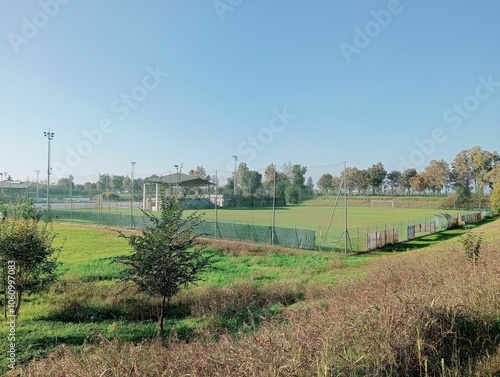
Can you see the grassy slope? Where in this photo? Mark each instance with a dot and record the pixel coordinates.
(88, 299)
(413, 313)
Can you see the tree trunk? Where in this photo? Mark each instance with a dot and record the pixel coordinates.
(160, 319)
(18, 303)
(5, 301)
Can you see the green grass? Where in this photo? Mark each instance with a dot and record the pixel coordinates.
(315, 217)
(88, 270)
(251, 274)
(88, 251)
(301, 216)
(327, 223)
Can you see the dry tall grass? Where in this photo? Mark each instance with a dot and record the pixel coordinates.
(420, 313)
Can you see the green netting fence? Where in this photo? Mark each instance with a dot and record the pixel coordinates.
(288, 237)
(359, 238)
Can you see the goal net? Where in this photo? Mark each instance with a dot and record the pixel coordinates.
(382, 203)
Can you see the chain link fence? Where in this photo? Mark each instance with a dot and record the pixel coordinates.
(354, 239)
(115, 216)
(373, 237)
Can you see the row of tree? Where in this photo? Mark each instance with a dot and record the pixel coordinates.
(472, 169)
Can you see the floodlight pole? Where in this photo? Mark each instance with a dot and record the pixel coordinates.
(216, 218)
(49, 135)
(274, 207)
(234, 175)
(99, 199)
(345, 208)
(177, 179)
(71, 195)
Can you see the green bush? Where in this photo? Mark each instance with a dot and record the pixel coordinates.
(495, 199)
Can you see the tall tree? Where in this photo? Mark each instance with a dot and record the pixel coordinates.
(294, 192)
(252, 182)
(420, 182)
(325, 183)
(104, 182)
(281, 181)
(493, 176)
(310, 186)
(240, 176)
(117, 182)
(393, 180)
(376, 176)
(481, 162)
(495, 198)
(163, 259)
(437, 175)
(405, 179)
(351, 179)
(337, 184)
(462, 175)
(199, 172)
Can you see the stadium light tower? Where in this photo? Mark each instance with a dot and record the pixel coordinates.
(49, 135)
(234, 175)
(176, 178)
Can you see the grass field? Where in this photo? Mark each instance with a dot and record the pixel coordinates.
(270, 311)
(311, 217)
(302, 216)
(315, 217)
(89, 300)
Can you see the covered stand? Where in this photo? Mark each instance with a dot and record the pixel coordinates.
(169, 181)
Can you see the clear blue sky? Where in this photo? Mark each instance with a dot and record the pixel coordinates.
(196, 82)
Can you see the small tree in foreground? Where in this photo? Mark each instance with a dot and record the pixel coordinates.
(163, 259)
(471, 243)
(28, 259)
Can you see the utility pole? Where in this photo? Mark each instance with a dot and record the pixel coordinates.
(37, 187)
(132, 195)
(274, 207)
(6, 178)
(49, 135)
(70, 178)
(234, 175)
(177, 179)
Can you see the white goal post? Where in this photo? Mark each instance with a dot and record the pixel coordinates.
(382, 203)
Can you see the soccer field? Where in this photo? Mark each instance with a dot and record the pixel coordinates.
(317, 217)
(360, 220)
(329, 234)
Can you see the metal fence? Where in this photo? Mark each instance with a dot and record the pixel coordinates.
(377, 236)
(288, 237)
(358, 239)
